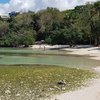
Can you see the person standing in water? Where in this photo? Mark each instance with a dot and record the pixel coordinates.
(44, 48)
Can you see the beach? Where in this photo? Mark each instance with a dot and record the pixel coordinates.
(85, 50)
(92, 52)
(92, 91)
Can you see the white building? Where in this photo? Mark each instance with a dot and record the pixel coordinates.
(4, 16)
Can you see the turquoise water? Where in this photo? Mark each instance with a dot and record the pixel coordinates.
(28, 51)
(10, 56)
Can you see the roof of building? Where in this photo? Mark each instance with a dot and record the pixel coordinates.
(4, 16)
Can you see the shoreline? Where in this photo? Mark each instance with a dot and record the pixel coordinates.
(91, 52)
(92, 91)
(82, 50)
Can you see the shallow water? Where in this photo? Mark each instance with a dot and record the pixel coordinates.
(9, 56)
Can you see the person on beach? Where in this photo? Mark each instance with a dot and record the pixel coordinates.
(44, 48)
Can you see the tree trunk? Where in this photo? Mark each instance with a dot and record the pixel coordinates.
(90, 40)
(97, 40)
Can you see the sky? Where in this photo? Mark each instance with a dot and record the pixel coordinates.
(4, 1)
(7, 6)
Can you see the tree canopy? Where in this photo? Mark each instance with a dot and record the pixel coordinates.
(80, 25)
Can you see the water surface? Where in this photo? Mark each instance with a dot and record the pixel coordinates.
(10, 56)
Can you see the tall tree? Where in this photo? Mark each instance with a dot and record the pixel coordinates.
(95, 22)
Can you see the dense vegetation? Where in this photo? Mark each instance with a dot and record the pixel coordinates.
(77, 26)
(34, 82)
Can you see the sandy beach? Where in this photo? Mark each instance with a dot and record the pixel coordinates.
(92, 52)
(88, 50)
(92, 91)
(88, 93)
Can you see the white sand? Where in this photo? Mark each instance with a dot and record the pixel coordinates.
(48, 46)
(93, 52)
(89, 93)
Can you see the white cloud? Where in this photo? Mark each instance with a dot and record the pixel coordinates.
(34, 5)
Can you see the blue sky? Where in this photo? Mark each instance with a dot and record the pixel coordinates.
(4, 1)
(7, 6)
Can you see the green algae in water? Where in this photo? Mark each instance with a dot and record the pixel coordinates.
(34, 82)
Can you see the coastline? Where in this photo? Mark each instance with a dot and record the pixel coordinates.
(88, 50)
(92, 91)
(92, 52)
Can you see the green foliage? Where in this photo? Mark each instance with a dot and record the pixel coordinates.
(49, 20)
(3, 28)
(19, 32)
(77, 26)
(27, 38)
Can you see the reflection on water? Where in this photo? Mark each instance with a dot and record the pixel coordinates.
(48, 57)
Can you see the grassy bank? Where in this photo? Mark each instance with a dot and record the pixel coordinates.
(36, 82)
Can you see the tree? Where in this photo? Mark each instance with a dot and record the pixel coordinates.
(49, 20)
(95, 22)
(3, 28)
(76, 26)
